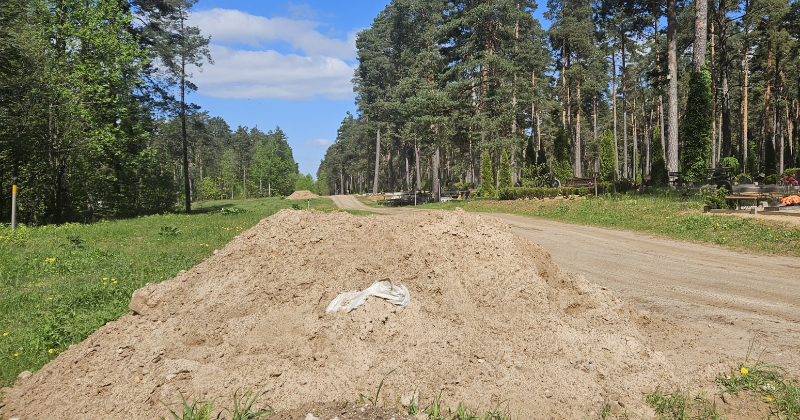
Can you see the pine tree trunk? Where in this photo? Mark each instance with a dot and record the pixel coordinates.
(435, 176)
(377, 159)
(577, 166)
(635, 149)
(745, 91)
(614, 105)
(672, 68)
(715, 101)
(765, 130)
(416, 166)
(700, 34)
(564, 83)
(723, 74)
(624, 117)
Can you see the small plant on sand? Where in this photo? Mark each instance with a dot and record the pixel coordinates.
(679, 405)
(243, 407)
(197, 410)
(767, 381)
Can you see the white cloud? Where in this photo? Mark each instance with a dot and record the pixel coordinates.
(238, 74)
(318, 143)
(228, 26)
(322, 67)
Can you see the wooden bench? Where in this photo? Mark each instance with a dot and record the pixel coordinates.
(745, 197)
(587, 182)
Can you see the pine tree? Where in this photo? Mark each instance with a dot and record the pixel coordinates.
(487, 177)
(505, 172)
(658, 171)
(177, 46)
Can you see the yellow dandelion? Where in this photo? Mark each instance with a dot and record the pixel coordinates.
(113, 279)
(50, 351)
(667, 217)
(5, 334)
(717, 224)
(115, 282)
(50, 298)
(206, 245)
(743, 370)
(769, 399)
(105, 278)
(16, 354)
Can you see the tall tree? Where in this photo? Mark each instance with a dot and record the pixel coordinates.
(177, 46)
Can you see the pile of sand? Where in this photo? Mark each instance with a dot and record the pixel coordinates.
(302, 195)
(491, 318)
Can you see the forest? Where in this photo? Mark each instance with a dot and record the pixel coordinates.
(94, 120)
(631, 90)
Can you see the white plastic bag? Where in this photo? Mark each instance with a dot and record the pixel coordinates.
(384, 289)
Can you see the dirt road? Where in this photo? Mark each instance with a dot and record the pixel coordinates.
(727, 297)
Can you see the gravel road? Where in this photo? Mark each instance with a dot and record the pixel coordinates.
(722, 298)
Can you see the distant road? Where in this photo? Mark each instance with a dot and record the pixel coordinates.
(742, 295)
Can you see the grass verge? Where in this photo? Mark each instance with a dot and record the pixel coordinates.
(663, 214)
(58, 284)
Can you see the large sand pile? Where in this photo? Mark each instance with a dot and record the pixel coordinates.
(491, 318)
(302, 195)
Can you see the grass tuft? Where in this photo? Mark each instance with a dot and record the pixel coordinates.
(767, 381)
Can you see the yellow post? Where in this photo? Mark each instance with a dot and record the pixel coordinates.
(14, 204)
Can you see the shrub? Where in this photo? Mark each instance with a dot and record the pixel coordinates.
(529, 193)
(568, 191)
(584, 191)
(731, 162)
(697, 126)
(658, 170)
(487, 177)
(791, 171)
(505, 171)
(717, 200)
(608, 164)
(771, 179)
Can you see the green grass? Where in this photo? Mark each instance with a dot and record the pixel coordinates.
(679, 405)
(58, 284)
(666, 214)
(770, 382)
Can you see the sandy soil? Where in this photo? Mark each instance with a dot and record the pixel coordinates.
(728, 297)
(491, 318)
(302, 195)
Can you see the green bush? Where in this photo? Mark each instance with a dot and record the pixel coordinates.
(731, 162)
(717, 200)
(771, 179)
(487, 177)
(529, 193)
(568, 191)
(790, 171)
(658, 170)
(505, 171)
(463, 186)
(697, 127)
(584, 191)
(608, 164)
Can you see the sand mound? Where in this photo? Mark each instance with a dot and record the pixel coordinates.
(491, 318)
(302, 195)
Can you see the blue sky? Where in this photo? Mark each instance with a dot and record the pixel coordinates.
(283, 63)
